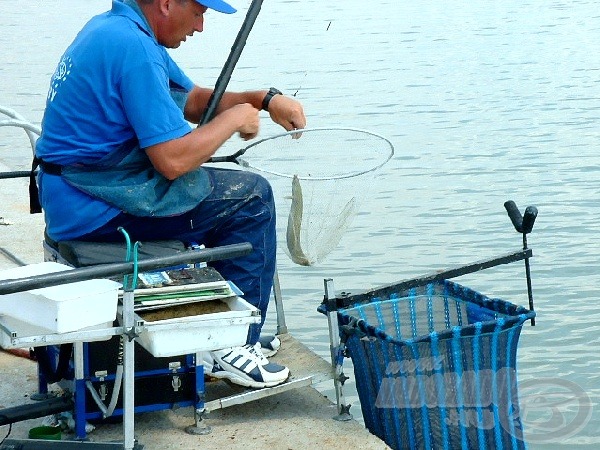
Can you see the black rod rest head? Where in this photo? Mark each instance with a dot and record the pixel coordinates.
(523, 224)
(529, 219)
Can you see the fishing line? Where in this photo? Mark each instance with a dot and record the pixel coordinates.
(306, 73)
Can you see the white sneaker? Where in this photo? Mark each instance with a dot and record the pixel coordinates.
(208, 362)
(246, 366)
(269, 344)
(258, 353)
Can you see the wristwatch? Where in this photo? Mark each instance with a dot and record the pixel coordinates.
(272, 93)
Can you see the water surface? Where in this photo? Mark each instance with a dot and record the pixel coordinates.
(484, 102)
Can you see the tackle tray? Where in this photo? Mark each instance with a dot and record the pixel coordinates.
(201, 332)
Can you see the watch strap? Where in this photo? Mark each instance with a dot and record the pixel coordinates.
(272, 93)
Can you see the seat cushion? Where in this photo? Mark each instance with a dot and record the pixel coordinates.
(82, 253)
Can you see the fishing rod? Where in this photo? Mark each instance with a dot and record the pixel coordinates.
(234, 56)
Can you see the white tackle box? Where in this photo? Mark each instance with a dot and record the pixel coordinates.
(63, 308)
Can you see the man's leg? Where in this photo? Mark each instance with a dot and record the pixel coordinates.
(241, 209)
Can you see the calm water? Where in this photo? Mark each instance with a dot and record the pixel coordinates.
(484, 102)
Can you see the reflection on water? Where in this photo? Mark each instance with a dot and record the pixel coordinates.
(483, 102)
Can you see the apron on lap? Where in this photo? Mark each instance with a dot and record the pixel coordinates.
(127, 180)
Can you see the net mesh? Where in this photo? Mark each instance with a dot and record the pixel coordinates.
(435, 367)
(314, 217)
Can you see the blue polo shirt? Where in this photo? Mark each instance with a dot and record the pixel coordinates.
(114, 83)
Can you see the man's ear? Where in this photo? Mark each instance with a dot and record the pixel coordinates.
(164, 6)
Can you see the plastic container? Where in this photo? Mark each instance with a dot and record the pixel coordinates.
(46, 432)
(204, 332)
(63, 308)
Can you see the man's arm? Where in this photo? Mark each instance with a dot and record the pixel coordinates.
(198, 101)
(237, 113)
(179, 156)
(285, 111)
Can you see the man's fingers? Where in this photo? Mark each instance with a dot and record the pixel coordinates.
(296, 125)
(248, 136)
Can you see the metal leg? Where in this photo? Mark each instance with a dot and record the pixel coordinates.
(337, 356)
(199, 427)
(200, 412)
(281, 326)
(128, 371)
(78, 358)
(42, 392)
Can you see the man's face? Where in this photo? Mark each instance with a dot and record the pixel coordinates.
(183, 20)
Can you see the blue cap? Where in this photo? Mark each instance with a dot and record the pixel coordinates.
(217, 5)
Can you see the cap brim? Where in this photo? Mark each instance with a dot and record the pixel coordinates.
(218, 5)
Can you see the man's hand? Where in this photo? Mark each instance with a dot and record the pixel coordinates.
(287, 112)
(248, 120)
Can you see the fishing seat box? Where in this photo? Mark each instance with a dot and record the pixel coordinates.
(160, 382)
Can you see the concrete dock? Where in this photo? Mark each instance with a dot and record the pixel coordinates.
(299, 418)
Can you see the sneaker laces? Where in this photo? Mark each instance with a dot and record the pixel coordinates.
(256, 351)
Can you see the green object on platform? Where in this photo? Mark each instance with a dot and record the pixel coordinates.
(45, 432)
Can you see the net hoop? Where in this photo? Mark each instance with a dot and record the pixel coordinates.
(244, 163)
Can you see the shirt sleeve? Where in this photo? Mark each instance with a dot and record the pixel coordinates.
(176, 75)
(149, 106)
(179, 84)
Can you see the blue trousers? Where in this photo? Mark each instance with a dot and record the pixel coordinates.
(239, 209)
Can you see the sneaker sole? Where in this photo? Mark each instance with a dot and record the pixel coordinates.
(235, 379)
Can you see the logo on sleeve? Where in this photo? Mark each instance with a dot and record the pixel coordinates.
(60, 75)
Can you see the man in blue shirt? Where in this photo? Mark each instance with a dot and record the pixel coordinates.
(117, 150)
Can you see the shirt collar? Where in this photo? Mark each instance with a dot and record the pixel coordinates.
(131, 10)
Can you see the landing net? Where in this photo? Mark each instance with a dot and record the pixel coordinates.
(321, 178)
